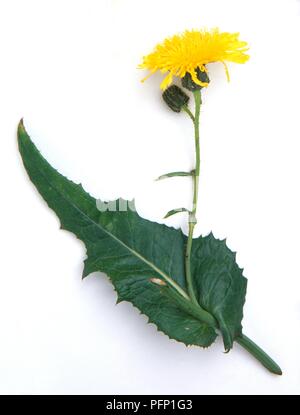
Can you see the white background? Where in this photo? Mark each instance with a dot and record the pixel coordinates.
(69, 67)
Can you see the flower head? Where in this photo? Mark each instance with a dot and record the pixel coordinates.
(184, 53)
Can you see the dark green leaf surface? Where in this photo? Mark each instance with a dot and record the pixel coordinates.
(144, 260)
(132, 251)
(220, 285)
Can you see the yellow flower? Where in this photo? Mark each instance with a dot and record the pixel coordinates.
(185, 52)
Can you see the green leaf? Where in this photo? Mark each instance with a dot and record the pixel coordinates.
(176, 174)
(145, 260)
(174, 211)
(220, 285)
(132, 251)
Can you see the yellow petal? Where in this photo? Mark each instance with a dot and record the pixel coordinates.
(184, 52)
(226, 71)
(167, 81)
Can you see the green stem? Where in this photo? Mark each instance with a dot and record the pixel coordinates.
(242, 340)
(189, 113)
(192, 214)
(259, 354)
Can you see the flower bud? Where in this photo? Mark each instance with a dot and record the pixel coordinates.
(175, 98)
(189, 84)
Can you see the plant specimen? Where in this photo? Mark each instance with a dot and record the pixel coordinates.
(191, 288)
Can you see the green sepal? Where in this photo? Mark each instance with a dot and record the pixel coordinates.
(189, 84)
(175, 98)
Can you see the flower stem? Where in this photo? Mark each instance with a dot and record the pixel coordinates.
(192, 214)
(189, 113)
(242, 340)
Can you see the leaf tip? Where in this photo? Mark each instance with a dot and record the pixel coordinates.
(21, 128)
